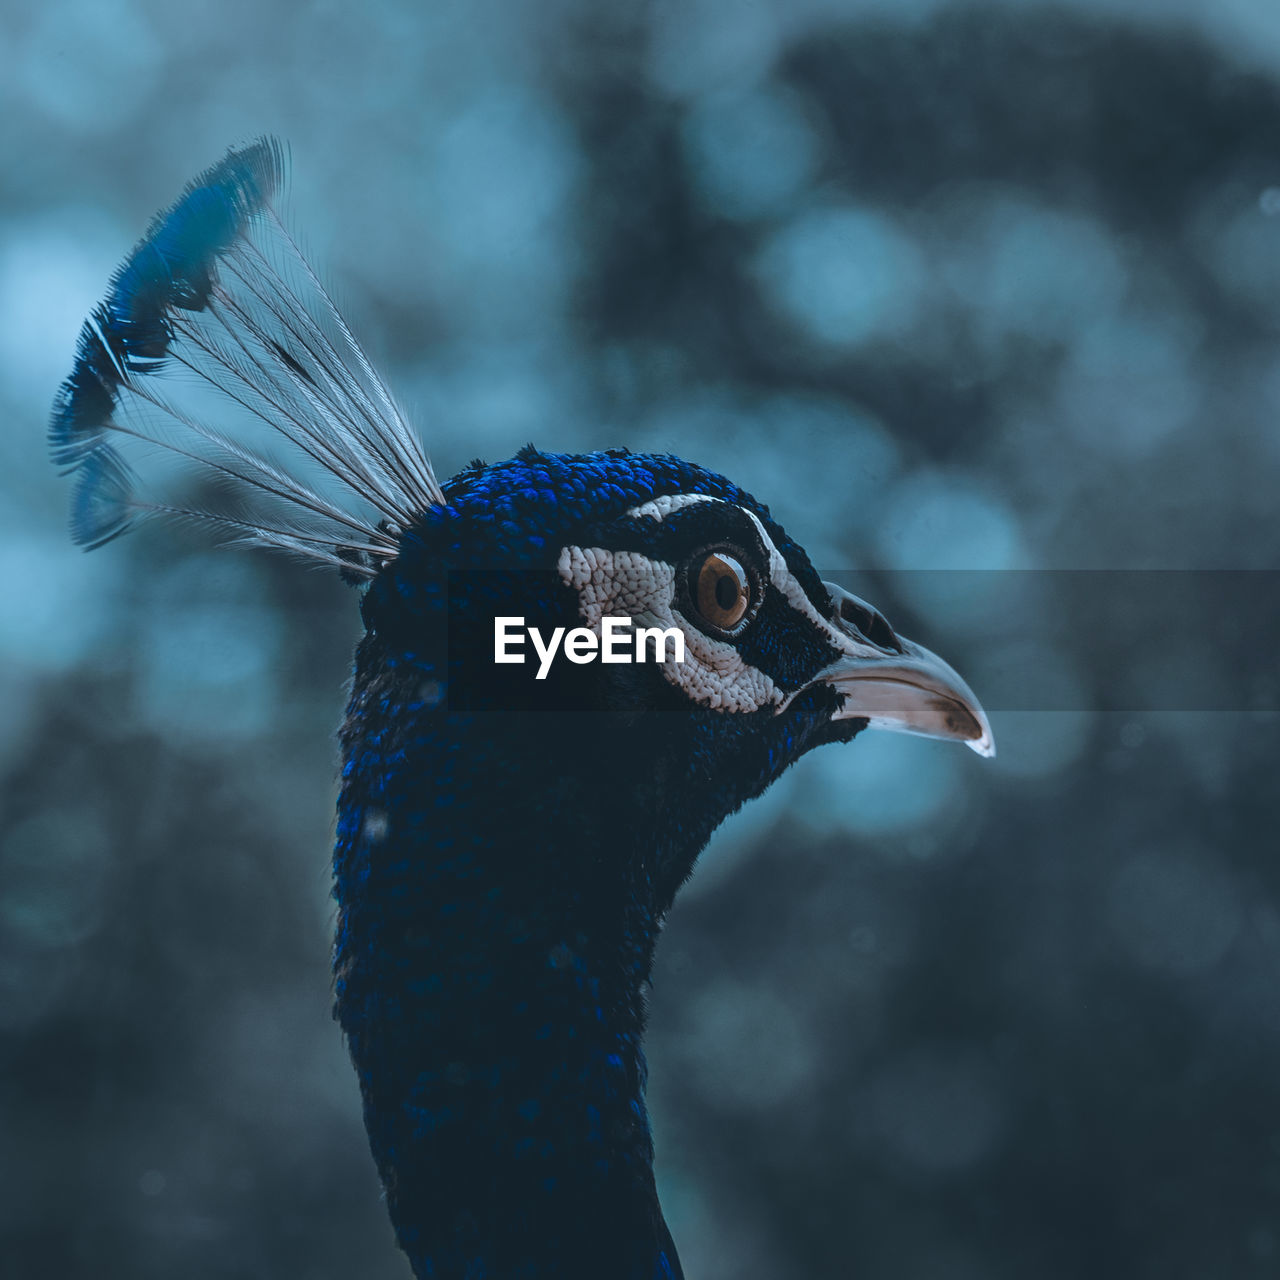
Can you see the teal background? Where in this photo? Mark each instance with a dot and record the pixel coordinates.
(951, 287)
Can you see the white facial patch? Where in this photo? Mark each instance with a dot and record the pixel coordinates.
(613, 583)
(610, 583)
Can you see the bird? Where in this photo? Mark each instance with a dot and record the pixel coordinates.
(508, 843)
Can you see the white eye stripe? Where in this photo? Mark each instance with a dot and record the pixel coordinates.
(659, 508)
(781, 577)
(784, 580)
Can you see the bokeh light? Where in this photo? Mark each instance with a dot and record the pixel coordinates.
(965, 293)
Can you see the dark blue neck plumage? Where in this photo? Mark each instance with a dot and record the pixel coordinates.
(496, 932)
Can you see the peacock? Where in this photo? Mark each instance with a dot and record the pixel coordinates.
(510, 834)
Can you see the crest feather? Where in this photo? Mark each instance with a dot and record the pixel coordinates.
(216, 316)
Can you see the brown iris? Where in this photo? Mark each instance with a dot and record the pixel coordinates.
(721, 590)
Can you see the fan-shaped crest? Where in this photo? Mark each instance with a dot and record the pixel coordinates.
(215, 336)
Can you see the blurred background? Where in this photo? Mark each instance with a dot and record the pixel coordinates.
(952, 287)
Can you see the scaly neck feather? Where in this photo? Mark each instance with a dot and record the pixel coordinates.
(497, 927)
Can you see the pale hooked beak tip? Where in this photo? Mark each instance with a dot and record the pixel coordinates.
(896, 684)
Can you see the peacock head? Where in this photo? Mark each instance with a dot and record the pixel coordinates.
(766, 661)
(658, 595)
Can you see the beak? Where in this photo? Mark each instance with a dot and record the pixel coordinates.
(896, 684)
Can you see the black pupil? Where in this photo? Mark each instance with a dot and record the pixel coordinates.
(727, 590)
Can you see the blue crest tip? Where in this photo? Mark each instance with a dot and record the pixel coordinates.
(173, 267)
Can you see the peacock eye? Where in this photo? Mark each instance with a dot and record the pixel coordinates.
(721, 590)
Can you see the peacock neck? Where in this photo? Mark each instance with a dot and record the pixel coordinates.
(491, 962)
